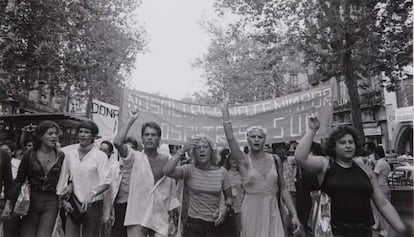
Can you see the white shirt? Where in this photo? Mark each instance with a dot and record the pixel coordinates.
(86, 174)
(115, 174)
(148, 204)
(15, 163)
(382, 169)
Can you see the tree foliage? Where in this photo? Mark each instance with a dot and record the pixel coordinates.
(86, 44)
(347, 40)
(245, 65)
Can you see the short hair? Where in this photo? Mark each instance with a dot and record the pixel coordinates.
(10, 144)
(90, 125)
(153, 125)
(133, 141)
(111, 147)
(40, 130)
(339, 133)
(213, 148)
(256, 127)
(370, 146)
(379, 151)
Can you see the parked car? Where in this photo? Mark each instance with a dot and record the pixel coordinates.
(401, 176)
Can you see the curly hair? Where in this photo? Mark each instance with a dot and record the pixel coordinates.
(339, 133)
(213, 148)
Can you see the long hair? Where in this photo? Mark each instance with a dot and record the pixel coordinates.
(339, 133)
(40, 130)
(213, 148)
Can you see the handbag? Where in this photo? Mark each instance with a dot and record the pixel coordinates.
(320, 215)
(77, 212)
(23, 201)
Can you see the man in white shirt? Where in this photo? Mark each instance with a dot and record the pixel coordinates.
(89, 174)
(152, 195)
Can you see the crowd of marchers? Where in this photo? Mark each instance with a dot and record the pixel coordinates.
(123, 187)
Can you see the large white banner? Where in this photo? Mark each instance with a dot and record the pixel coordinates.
(106, 117)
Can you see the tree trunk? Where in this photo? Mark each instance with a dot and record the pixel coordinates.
(351, 83)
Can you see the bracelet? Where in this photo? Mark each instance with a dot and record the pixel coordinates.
(94, 192)
(228, 121)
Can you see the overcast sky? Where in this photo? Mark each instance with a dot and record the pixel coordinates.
(175, 39)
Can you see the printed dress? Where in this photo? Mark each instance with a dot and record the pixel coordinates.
(260, 209)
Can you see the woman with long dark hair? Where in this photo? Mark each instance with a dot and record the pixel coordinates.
(41, 167)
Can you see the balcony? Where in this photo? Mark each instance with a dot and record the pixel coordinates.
(371, 99)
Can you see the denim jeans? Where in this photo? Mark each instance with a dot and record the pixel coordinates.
(90, 221)
(41, 217)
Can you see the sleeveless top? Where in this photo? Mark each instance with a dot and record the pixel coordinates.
(350, 191)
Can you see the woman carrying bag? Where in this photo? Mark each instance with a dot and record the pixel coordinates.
(41, 167)
(350, 185)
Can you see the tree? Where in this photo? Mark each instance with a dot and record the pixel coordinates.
(347, 40)
(87, 44)
(245, 66)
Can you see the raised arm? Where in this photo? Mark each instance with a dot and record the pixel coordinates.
(236, 152)
(314, 164)
(122, 133)
(170, 168)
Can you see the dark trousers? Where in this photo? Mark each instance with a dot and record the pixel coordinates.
(89, 223)
(351, 231)
(41, 217)
(11, 227)
(199, 228)
(118, 229)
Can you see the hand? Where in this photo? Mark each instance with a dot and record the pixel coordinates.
(296, 225)
(29, 128)
(221, 214)
(172, 229)
(134, 114)
(225, 102)
(7, 211)
(67, 207)
(67, 191)
(88, 199)
(314, 123)
(107, 226)
(106, 219)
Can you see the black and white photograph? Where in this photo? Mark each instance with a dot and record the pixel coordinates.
(206, 118)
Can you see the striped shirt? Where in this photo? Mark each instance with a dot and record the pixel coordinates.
(205, 188)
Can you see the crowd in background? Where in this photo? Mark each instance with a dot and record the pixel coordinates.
(125, 188)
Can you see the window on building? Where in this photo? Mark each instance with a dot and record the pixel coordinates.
(342, 91)
(293, 78)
